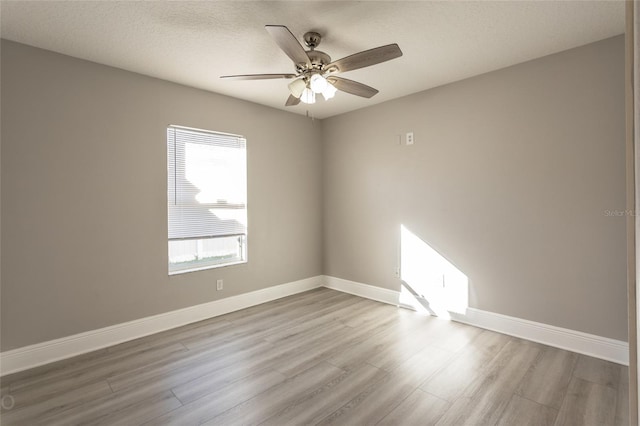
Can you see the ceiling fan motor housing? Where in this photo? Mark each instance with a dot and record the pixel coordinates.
(318, 59)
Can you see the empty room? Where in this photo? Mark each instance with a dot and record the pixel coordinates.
(318, 212)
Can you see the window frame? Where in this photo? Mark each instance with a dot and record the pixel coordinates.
(243, 237)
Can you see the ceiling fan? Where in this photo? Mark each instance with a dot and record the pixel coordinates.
(315, 72)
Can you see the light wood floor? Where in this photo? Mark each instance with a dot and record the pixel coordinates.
(322, 357)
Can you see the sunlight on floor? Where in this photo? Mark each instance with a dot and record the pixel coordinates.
(430, 283)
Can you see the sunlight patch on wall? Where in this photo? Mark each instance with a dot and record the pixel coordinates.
(430, 283)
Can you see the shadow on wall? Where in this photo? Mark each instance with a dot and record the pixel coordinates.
(430, 283)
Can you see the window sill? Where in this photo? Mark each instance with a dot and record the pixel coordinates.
(203, 268)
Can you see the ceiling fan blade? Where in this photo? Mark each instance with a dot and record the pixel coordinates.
(288, 43)
(258, 76)
(366, 58)
(292, 101)
(352, 87)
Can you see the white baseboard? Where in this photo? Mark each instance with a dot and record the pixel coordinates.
(66, 347)
(367, 291)
(575, 341)
(32, 356)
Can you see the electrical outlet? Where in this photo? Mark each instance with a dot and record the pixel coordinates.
(409, 138)
(219, 285)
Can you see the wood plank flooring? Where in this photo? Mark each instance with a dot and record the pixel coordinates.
(322, 358)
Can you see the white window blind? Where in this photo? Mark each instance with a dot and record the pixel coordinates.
(207, 194)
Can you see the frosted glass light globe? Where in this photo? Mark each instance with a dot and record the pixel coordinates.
(296, 87)
(318, 83)
(308, 96)
(329, 92)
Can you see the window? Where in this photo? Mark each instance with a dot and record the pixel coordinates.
(207, 199)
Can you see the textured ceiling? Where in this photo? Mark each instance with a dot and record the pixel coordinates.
(194, 43)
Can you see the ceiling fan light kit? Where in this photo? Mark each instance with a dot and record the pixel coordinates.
(315, 73)
(306, 89)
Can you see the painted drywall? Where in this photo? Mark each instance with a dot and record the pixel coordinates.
(516, 176)
(511, 178)
(84, 217)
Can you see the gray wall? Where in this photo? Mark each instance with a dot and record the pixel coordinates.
(510, 178)
(84, 217)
